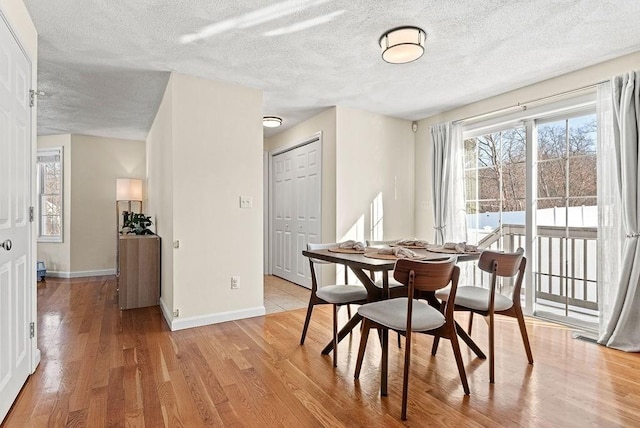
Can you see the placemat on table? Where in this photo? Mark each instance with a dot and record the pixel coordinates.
(441, 249)
(345, 250)
(377, 255)
(411, 247)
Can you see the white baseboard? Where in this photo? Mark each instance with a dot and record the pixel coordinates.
(166, 313)
(81, 273)
(202, 320)
(35, 361)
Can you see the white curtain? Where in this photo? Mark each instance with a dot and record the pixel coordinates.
(619, 194)
(449, 212)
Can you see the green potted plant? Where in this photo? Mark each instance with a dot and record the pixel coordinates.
(136, 224)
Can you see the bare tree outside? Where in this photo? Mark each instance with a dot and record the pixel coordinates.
(495, 175)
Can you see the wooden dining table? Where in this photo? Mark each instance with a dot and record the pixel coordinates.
(363, 267)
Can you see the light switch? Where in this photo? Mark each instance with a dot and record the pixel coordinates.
(246, 202)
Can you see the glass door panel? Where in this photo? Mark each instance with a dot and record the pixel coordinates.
(566, 217)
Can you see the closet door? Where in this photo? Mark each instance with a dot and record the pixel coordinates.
(296, 211)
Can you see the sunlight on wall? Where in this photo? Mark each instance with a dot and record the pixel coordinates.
(377, 216)
(356, 232)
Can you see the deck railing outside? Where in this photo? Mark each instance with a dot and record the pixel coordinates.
(565, 269)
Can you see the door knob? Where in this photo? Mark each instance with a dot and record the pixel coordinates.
(6, 244)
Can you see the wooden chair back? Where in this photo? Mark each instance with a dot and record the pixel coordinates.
(505, 265)
(508, 264)
(428, 275)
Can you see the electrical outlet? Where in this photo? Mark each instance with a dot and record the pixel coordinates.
(246, 202)
(176, 313)
(176, 244)
(235, 282)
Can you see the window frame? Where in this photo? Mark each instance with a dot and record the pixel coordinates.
(49, 151)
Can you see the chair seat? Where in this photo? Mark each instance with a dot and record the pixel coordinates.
(342, 294)
(393, 314)
(476, 298)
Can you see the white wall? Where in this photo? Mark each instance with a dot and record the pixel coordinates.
(216, 145)
(57, 255)
(159, 191)
(567, 82)
(374, 159)
(91, 167)
(96, 164)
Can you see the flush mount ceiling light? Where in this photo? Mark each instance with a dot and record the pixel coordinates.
(271, 121)
(402, 44)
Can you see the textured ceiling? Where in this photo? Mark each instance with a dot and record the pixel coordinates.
(103, 65)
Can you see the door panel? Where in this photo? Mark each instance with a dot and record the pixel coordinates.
(16, 268)
(296, 211)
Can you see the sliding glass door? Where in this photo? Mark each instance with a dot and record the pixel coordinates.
(562, 212)
(567, 219)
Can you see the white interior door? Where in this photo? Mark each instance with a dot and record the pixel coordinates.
(16, 266)
(296, 201)
(283, 198)
(308, 197)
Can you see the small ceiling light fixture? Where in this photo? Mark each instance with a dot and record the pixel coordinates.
(402, 44)
(271, 121)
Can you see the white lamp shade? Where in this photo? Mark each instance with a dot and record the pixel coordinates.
(128, 189)
(402, 45)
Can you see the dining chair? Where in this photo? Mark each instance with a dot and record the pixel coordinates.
(393, 283)
(394, 290)
(335, 294)
(409, 315)
(488, 302)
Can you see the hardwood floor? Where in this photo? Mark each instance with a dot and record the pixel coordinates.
(104, 367)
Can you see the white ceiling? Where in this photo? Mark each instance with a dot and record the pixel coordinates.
(104, 64)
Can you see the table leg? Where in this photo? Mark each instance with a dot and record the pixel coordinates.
(344, 331)
(433, 301)
(470, 343)
(373, 293)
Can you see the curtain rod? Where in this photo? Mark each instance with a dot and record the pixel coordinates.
(523, 106)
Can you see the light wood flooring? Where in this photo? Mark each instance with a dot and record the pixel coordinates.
(105, 367)
(281, 295)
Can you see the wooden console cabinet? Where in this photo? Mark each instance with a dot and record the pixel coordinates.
(138, 271)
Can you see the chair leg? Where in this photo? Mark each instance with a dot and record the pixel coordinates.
(492, 370)
(456, 351)
(385, 362)
(364, 336)
(399, 342)
(405, 378)
(335, 335)
(434, 347)
(306, 322)
(470, 323)
(349, 311)
(525, 337)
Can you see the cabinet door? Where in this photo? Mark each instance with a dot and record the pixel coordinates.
(139, 282)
